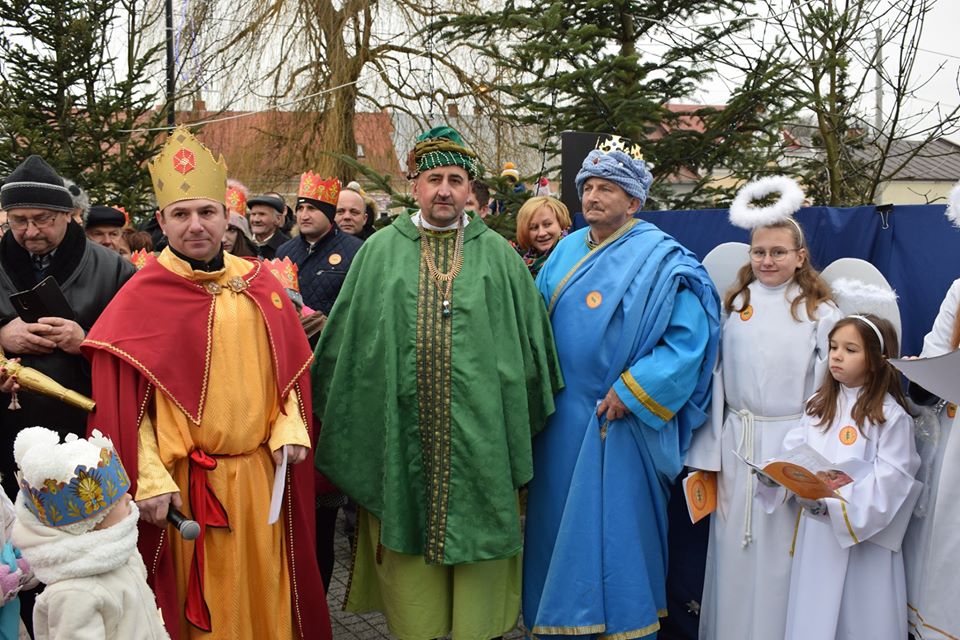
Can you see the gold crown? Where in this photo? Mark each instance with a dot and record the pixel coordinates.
(316, 188)
(236, 201)
(285, 271)
(619, 143)
(185, 169)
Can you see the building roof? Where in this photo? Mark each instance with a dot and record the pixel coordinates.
(264, 149)
(938, 161)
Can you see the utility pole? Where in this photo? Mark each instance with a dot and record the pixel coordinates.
(878, 90)
(171, 86)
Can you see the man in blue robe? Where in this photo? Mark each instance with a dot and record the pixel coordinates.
(636, 321)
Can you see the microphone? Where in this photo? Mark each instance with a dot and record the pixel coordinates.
(189, 529)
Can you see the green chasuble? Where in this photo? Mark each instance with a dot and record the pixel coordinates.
(428, 418)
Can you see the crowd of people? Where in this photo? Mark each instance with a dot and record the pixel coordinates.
(508, 444)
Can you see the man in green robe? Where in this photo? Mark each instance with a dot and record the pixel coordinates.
(435, 370)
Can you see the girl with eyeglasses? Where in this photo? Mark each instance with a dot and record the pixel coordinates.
(776, 319)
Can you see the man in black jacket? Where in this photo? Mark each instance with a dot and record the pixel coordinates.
(322, 252)
(45, 241)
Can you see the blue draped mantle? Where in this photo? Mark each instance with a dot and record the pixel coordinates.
(595, 554)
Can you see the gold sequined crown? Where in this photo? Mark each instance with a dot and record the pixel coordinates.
(316, 188)
(285, 271)
(236, 201)
(185, 169)
(618, 143)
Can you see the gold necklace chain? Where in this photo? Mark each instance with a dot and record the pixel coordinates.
(455, 267)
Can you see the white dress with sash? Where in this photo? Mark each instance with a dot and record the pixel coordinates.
(770, 364)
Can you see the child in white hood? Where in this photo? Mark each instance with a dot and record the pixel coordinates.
(77, 527)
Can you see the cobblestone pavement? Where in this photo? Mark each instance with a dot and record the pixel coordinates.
(353, 626)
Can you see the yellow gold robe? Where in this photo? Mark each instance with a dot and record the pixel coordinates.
(245, 568)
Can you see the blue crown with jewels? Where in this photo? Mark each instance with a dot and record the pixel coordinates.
(91, 491)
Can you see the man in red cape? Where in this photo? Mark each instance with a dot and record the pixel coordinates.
(200, 373)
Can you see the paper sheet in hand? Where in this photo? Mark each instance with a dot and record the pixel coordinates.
(279, 483)
(940, 375)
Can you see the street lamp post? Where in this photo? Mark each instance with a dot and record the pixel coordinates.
(171, 86)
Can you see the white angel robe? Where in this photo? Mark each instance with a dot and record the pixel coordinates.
(931, 549)
(770, 364)
(847, 580)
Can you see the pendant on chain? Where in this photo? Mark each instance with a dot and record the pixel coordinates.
(448, 277)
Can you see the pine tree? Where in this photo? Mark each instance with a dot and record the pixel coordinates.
(62, 98)
(581, 65)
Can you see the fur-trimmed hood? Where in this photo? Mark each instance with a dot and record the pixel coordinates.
(56, 555)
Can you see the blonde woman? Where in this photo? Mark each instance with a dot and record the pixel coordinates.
(541, 222)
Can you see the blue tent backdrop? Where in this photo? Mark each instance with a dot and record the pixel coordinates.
(914, 246)
(917, 250)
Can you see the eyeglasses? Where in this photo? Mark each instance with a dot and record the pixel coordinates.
(41, 221)
(777, 254)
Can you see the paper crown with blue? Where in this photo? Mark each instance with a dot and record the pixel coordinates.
(620, 161)
(63, 484)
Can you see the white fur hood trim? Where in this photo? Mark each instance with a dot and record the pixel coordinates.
(57, 555)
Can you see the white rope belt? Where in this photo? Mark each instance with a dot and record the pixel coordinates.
(746, 448)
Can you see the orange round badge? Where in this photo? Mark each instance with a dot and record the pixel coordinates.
(848, 435)
(275, 299)
(747, 313)
(594, 298)
(335, 258)
(951, 410)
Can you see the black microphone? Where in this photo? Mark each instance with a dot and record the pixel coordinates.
(189, 529)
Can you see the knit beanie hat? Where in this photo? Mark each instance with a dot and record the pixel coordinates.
(69, 486)
(510, 171)
(35, 185)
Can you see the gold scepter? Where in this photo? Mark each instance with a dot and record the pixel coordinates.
(32, 380)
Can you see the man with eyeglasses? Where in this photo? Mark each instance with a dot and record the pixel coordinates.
(45, 241)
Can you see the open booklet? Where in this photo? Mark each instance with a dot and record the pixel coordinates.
(808, 474)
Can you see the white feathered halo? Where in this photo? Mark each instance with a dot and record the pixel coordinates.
(953, 205)
(745, 216)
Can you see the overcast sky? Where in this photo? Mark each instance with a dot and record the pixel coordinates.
(940, 44)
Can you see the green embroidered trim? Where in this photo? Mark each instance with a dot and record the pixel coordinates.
(434, 351)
